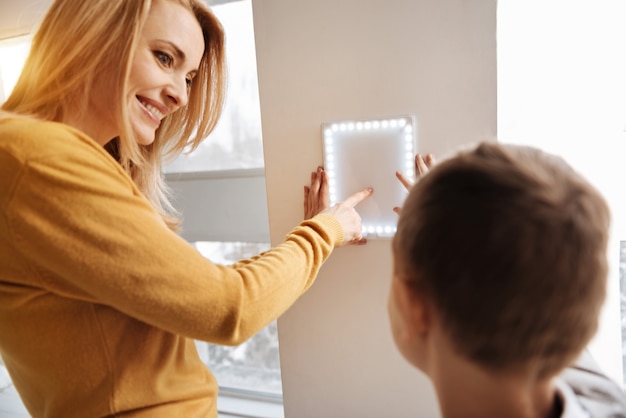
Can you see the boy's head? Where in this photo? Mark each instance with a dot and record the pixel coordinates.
(503, 248)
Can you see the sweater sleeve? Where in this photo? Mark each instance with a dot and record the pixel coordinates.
(90, 235)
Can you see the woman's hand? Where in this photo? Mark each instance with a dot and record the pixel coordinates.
(422, 165)
(317, 200)
(348, 217)
(316, 197)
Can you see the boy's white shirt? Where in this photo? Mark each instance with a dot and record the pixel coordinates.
(571, 407)
(587, 392)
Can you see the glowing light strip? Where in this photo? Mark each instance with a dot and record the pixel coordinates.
(400, 125)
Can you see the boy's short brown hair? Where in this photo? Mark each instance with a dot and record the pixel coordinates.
(509, 244)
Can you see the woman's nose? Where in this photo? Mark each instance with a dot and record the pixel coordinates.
(178, 91)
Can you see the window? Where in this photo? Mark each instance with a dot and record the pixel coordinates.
(236, 141)
(11, 405)
(229, 164)
(13, 53)
(561, 87)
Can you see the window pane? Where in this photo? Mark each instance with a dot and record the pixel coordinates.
(254, 365)
(11, 405)
(13, 53)
(236, 141)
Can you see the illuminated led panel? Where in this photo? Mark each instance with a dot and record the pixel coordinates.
(362, 153)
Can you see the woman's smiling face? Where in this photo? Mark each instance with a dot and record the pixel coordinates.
(168, 54)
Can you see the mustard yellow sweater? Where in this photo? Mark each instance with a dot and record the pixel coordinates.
(100, 301)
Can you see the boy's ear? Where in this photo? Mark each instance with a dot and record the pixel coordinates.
(413, 306)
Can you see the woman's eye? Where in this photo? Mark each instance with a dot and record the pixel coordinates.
(165, 59)
(189, 80)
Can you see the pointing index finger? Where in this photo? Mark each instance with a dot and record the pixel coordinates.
(358, 197)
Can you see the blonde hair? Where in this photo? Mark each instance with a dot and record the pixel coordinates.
(81, 43)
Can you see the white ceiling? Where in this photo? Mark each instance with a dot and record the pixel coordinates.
(19, 17)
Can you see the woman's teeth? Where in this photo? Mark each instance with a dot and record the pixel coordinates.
(155, 112)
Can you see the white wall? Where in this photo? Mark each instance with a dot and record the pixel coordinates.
(329, 60)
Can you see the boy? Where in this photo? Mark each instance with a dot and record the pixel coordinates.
(499, 277)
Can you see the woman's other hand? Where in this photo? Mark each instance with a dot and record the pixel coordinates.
(423, 164)
(317, 200)
(316, 197)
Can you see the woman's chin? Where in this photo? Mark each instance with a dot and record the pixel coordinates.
(144, 137)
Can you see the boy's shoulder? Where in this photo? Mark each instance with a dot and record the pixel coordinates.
(586, 392)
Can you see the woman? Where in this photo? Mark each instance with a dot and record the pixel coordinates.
(99, 299)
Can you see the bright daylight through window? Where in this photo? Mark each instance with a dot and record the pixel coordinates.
(13, 53)
(561, 87)
(236, 142)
